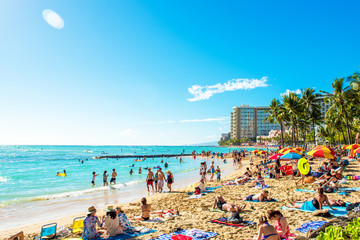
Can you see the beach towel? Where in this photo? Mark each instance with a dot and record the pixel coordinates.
(340, 211)
(181, 237)
(313, 225)
(272, 200)
(262, 186)
(195, 234)
(224, 221)
(194, 196)
(216, 210)
(125, 235)
(354, 189)
(212, 188)
(305, 190)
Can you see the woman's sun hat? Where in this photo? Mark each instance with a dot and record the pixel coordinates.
(110, 209)
(91, 210)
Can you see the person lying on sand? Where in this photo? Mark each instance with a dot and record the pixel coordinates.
(262, 197)
(161, 213)
(145, 211)
(315, 203)
(333, 202)
(266, 231)
(221, 204)
(259, 180)
(238, 181)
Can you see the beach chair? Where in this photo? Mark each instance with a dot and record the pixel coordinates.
(48, 231)
(18, 236)
(78, 224)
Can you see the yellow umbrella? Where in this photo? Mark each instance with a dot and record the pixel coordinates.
(320, 153)
(291, 151)
(352, 146)
(283, 150)
(255, 151)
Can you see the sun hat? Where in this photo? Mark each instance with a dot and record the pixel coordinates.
(91, 210)
(118, 208)
(110, 209)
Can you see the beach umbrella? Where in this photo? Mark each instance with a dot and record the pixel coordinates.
(262, 152)
(283, 150)
(300, 149)
(291, 151)
(320, 153)
(325, 148)
(357, 150)
(275, 156)
(352, 146)
(255, 151)
(291, 156)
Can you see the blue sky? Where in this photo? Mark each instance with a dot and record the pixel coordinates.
(119, 71)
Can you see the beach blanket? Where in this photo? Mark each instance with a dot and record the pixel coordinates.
(216, 210)
(340, 211)
(224, 221)
(354, 189)
(125, 235)
(194, 196)
(195, 234)
(305, 190)
(262, 186)
(212, 188)
(313, 225)
(272, 200)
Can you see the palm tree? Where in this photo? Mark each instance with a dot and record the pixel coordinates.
(276, 115)
(292, 106)
(310, 101)
(340, 98)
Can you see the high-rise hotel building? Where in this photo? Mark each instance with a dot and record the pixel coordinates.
(247, 122)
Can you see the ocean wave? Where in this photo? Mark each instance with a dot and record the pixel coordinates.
(68, 194)
(4, 179)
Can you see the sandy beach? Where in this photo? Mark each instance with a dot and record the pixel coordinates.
(195, 212)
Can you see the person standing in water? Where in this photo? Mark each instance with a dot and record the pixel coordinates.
(113, 177)
(131, 172)
(212, 171)
(105, 176)
(140, 170)
(150, 180)
(93, 178)
(170, 179)
(161, 179)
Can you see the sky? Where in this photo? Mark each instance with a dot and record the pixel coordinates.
(158, 72)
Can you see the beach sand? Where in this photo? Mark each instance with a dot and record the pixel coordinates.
(196, 214)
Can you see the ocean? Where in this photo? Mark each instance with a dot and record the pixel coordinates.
(28, 175)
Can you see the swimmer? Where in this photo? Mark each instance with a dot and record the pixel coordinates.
(131, 172)
(113, 177)
(93, 178)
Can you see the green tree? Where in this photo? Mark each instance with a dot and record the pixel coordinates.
(276, 115)
(292, 106)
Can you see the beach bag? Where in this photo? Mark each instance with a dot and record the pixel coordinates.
(310, 179)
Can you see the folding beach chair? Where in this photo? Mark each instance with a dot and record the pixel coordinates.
(48, 231)
(78, 224)
(18, 236)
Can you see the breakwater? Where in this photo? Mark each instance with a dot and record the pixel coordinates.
(144, 156)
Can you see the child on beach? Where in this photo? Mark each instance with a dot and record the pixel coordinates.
(105, 176)
(93, 178)
(218, 173)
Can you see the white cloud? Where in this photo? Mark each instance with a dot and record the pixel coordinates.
(219, 119)
(297, 91)
(129, 133)
(53, 19)
(205, 92)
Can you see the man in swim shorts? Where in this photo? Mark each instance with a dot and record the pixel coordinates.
(161, 179)
(150, 179)
(113, 177)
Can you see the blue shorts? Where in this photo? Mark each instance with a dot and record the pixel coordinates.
(308, 206)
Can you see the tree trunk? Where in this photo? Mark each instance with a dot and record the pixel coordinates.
(314, 133)
(282, 134)
(347, 124)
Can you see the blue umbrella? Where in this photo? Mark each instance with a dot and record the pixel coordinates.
(291, 156)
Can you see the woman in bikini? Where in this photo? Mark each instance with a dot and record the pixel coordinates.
(145, 211)
(266, 231)
(221, 204)
(169, 179)
(315, 203)
(281, 224)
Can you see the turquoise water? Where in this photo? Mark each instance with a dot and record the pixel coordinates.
(28, 173)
